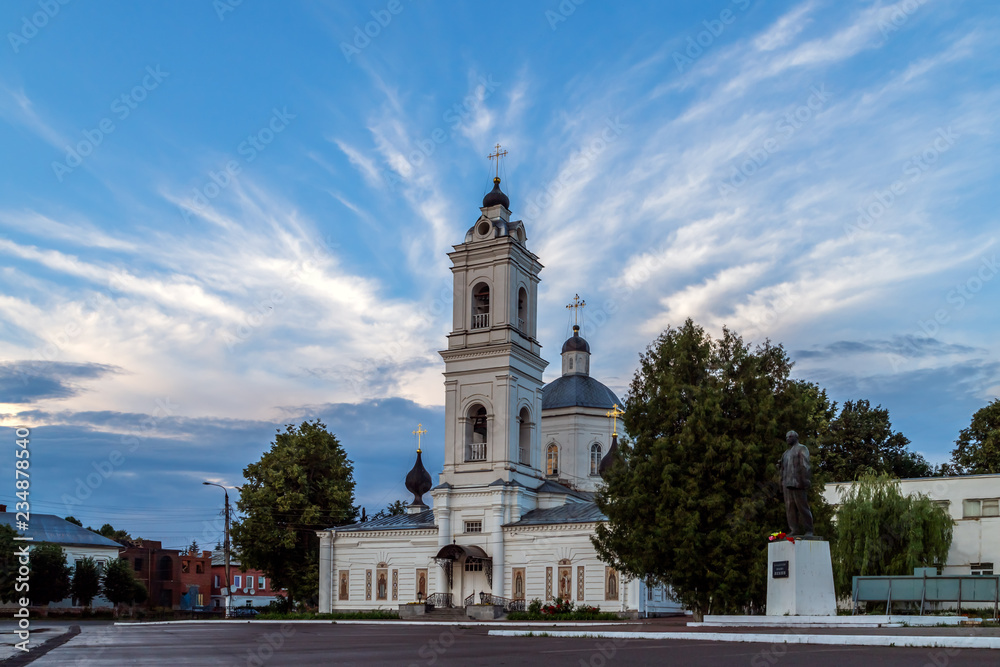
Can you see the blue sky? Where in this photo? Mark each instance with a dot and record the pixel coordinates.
(218, 218)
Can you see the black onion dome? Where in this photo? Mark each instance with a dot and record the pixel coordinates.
(496, 196)
(575, 343)
(418, 481)
(609, 458)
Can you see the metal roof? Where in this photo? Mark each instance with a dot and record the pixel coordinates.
(577, 391)
(568, 513)
(56, 530)
(424, 519)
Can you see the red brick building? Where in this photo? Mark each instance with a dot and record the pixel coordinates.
(251, 588)
(174, 579)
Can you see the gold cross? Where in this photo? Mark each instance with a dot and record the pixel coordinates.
(497, 155)
(615, 413)
(577, 304)
(419, 432)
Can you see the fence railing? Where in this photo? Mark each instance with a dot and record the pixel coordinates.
(443, 600)
(480, 320)
(475, 451)
(917, 589)
(485, 598)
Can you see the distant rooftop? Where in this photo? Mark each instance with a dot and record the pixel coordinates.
(56, 530)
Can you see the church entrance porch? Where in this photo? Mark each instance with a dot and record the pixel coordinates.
(467, 570)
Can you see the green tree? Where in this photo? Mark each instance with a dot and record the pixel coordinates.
(110, 532)
(303, 484)
(861, 439)
(50, 576)
(392, 509)
(119, 583)
(977, 450)
(881, 532)
(692, 498)
(140, 594)
(86, 583)
(8, 563)
(193, 548)
(73, 520)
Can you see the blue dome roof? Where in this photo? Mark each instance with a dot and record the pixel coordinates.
(577, 391)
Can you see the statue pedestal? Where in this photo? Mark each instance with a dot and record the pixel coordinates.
(800, 578)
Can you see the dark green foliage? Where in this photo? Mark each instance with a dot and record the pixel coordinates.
(73, 520)
(139, 592)
(392, 509)
(193, 548)
(120, 536)
(8, 563)
(303, 484)
(861, 439)
(692, 498)
(86, 582)
(882, 532)
(977, 449)
(119, 582)
(50, 576)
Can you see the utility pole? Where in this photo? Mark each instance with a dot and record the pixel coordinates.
(225, 549)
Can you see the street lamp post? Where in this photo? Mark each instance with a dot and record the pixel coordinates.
(225, 548)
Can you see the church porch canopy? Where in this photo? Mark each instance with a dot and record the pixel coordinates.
(457, 551)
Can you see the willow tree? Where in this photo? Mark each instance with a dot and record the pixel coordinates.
(695, 492)
(882, 532)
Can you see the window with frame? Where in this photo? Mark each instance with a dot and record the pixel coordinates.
(595, 459)
(261, 583)
(981, 569)
(185, 566)
(980, 507)
(473, 526)
(552, 459)
(236, 581)
(216, 582)
(473, 565)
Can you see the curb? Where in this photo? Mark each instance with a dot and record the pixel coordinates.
(469, 623)
(835, 640)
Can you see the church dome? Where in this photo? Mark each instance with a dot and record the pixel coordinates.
(496, 196)
(577, 391)
(576, 343)
(418, 481)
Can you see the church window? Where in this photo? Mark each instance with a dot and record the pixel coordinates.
(524, 436)
(595, 459)
(474, 565)
(522, 310)
(552, 459)
(571, 363)
(481, 306)
(476, 434)
(473, 526)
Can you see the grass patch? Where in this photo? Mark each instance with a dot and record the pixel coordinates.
(568, 616)
(373, 615)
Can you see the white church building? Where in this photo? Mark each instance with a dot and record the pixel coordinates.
(513, 510)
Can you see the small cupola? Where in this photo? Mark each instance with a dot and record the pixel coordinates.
(496, 197)
(609, 458)
(418, 482)
(576, 354)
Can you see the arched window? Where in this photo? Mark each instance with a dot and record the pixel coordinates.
(552, 459)
(524, 437)
(595, 459)
(522, 310)
(476, 430)
(481, 306)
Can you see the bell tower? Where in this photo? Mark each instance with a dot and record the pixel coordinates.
(493, 368)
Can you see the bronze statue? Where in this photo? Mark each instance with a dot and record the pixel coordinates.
(796, 477)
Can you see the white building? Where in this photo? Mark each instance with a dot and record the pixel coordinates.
(973, 502)
(513, 511)
(77, 543)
